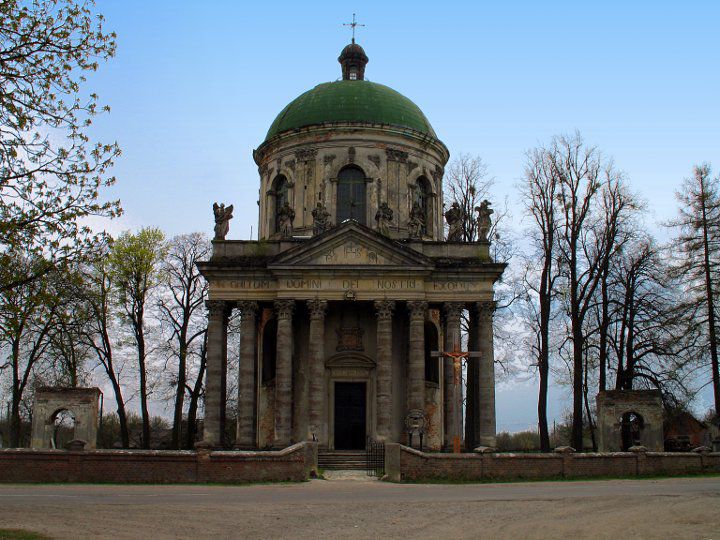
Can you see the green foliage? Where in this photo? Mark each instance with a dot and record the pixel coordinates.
(134, 263)
(51, 173)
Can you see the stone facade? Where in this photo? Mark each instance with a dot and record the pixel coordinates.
(629, 418)
(81, 403)
(350, 288)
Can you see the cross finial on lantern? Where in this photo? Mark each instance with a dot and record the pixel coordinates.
(353, 25)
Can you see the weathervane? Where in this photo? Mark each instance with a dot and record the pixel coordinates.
(353, 25)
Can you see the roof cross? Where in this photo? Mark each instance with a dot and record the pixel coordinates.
(353, 25)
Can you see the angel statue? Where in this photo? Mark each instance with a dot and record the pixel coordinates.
(222, 220)
(483, 220)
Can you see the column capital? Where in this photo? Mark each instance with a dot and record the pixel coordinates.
(247, 308)
(217, 308)
(453, 310)
(284, 308)
(317, 308)
(485, 309)
(418, 309)
(384, 309)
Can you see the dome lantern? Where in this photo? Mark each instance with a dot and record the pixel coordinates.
(353, 61)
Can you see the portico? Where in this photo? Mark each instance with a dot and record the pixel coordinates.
(348, 306)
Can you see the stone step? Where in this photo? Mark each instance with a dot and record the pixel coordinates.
(338, 460)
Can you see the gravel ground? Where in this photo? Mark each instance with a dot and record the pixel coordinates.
(350, 506)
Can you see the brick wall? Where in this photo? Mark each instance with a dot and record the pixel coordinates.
(415, 466)
(157, 467)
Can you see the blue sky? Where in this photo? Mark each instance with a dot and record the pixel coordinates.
(195, 85)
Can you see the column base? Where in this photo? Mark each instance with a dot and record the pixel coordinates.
(489, 441)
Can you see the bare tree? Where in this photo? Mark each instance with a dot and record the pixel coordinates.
(584, 244)
(182, 309)
(539, 193)
(698, 258)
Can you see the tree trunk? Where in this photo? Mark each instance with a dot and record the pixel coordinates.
(544, 359)
(179, 395)
(710, 293)
(140, 335)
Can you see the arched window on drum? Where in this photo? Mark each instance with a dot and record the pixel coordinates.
(351, 195)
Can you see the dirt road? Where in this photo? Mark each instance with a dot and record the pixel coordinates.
(669, 508)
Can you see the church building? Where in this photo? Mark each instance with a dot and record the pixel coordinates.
(353, 289)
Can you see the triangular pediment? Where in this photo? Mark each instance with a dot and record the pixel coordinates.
(351, 245)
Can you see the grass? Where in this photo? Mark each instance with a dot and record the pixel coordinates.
(20, 534)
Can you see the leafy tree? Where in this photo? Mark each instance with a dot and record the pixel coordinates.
(27, 316)
(135, 261)
(97, 292)
(51, 172)
(697, 260)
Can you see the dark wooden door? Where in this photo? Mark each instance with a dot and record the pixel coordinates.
(349, 416)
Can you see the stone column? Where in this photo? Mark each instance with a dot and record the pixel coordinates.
(486, 376)
(316, 359)
(416, 356)
(452, 399)
(472, 388)
(283, 373)
(384, 309)
(246, 377)
(214, 379)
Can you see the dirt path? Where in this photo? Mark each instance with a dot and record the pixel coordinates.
(349, 508)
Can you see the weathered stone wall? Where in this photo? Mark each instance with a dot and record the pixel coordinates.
(407, 464)
(391, 160)
(613, 404)
(157, 467)
(82, 403)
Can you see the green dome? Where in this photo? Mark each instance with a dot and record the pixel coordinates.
(351, 101)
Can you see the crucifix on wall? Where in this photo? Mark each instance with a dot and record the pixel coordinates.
(457, 357)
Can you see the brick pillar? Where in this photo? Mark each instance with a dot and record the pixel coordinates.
(214, 379)
(246, 377)
(486, 375)
(416, 356)
(384, 309)
(316, 359)
(283, 373)
(452, 401)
